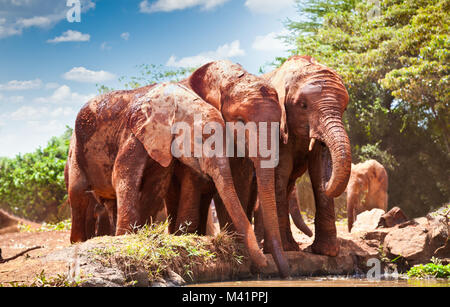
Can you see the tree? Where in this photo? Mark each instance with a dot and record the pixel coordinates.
(32, 185)
(395, 66)
(149, 74)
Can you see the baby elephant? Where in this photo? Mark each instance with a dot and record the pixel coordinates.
(366, 190)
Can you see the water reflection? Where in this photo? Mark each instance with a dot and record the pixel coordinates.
(332, 281)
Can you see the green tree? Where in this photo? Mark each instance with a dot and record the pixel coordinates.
(149, 74)
(395, 66)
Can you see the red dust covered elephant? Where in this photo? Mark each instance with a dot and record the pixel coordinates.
(123, 144)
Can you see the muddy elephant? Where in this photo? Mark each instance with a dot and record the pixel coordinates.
(125, 142)
(245, 101)
(366, 190)
(313, 99)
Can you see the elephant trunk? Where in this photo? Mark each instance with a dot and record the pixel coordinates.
(266, 183)
(337, 141)
(296, 215)
(223, 181)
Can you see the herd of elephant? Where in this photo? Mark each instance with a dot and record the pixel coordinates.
(121, 156)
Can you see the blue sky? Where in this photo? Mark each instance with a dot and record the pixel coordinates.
(49, 66)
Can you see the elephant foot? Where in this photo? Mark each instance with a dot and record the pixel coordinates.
(325, 247)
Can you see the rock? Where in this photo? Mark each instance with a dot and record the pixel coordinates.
(391, 218)
(417, 242)
(367, 220)
(10, 223)
(175, 279)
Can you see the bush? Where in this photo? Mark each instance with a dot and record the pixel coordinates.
(32, 185)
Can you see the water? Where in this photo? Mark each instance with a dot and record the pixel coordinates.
(332, 281)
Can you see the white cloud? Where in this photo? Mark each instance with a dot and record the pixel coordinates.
(271, 42)
(18, 15)
(172, 5)
(125, 36)
(268, 6)
(36, 21)
(51, 85)
(225, 51)
(64, 94)
(15, 85)
(70, 36)
(81, 74)
(29, 113)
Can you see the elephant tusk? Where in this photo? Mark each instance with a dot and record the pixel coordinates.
(311, 144)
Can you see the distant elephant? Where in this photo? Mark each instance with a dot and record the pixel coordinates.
(242, 98)
(367, 189)
(124, 143)
(313, 99)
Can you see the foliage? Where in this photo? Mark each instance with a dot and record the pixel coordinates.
(434, 269)
(59, 226)
(149, 74)
(396, 70)
(32, 185)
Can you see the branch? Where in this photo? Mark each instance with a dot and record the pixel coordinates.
(18, 255)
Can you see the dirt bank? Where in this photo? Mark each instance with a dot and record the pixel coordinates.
(125, 261)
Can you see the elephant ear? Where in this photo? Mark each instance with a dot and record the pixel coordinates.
(205, 84)
(151, 120)
(282, 89)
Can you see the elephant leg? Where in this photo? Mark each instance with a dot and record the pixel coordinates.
(188, 215)
(91, 220)
(80, 202)
(258, 223)
(155, 185)
(284, 182)
(111, 208)
(80, 205)
(325, 241)
(171, 200)
(222, 215)
(127, 179)
(205, 204)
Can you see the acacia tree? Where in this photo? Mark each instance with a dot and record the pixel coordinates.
(395, 66)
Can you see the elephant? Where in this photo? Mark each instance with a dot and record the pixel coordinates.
(313, 99)
(124, 143)
(242, 98)
(294, 210)
(367, 189)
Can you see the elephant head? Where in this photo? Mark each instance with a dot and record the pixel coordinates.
(315, 98)
(171, 109)
(244, 98)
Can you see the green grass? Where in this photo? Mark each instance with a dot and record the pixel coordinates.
(435, 269)
(43, 281)
(154, 250)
